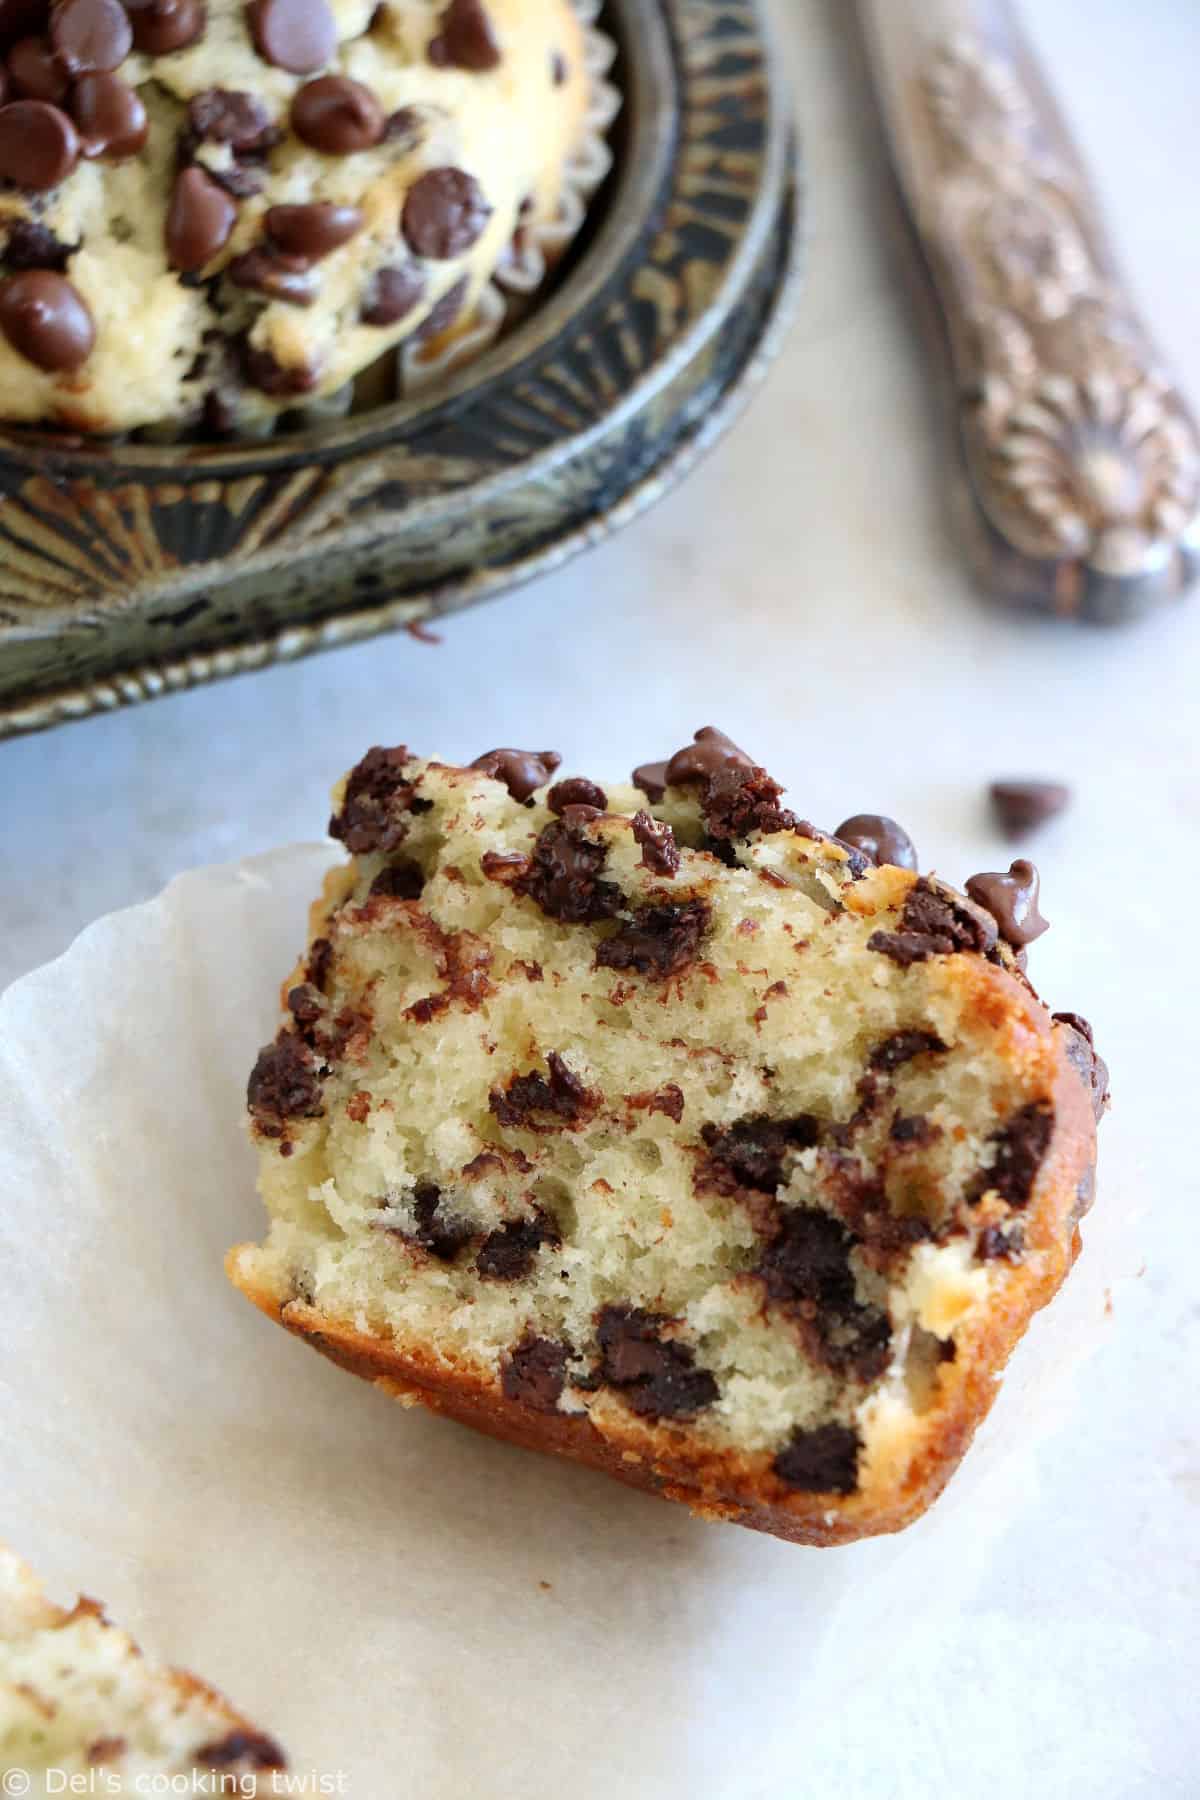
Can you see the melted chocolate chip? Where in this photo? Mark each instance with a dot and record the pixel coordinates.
(296, 35)
(443, 312)
(660, 853)
(508, 1252)
(39, 146)
(377, 803)
(535, 1373)
(402, 880)
(709, 755)
(465, 39)
(879, 838)
(755, 1152)
(285, 1083)
(111, 118)
(1019, 1148)
(90, 35)
(652, 779)
(521, 771)
(738, 801)
(1012, 900)
(286, 278)
(314, 230)
(46, 320)
(564, 877)
(252, 1749)
(658, 940)
(35, 72)
(263, 370)
(901, 1047)
(444, 213)
(533, 1103)
(578, 791)
(163, 26)
(997, 1243)
(1021, 806)
(31, 245)
(230, 116)
(934, 923)
(320, 961)
(657, 1379)
(440, 1236)
(391, 293)
(337, 116)
(1081, 1048)
(200, 218)
(806, 1267)
(823, 1460)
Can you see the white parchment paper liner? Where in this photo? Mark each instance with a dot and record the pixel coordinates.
(437, 1616)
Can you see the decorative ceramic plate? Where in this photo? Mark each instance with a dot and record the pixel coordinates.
(130, 570)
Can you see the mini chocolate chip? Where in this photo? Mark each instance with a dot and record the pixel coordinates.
(521, 771)
(879, 838)
(391, 293)
(39, 145)
(110, 117)
(46, 320)
(296, 35)
(35, 72)
(709, 754)
(576, 791)
(444, 213)
(660, 853)
(163, 26)
(822, 1460)
(1021, 806)
(1012, 900)
(652, 779)
(90, 35)
(230, 116)
(465, 39)
(263, 370)
(31, 245)
(314, 230)
(443, 312)
(199, 220)
(558, 68)
(535, 1373)
(285, 278)
(337, 116)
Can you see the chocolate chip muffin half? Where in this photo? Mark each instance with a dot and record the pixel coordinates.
(211, 210)
(77, 1698)
(655, 1127)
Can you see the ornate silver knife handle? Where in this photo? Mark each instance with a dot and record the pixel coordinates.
(1082, 460)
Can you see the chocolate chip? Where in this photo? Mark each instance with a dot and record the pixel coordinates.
(163, 26)
(1012, 900)
(200, 218)
(90, 35)
(110, 117)
(286, 278)
(1021, 806)
(296, 35)
(564, 876)
(444, 213)
(508, 1252)
(337, 116)
(31, 245)
(402, 880)
(377, 803)
(442, 1237)
(251, 1748)
(738, 801)
(995, 1243)
(710, 754)
(285, 1083)
(320, 961)
(806, 1268)
(935, 922)
(558, 68)
(404, 127)
(314, 230)
(658, 940)
(230, 116)
(465, 39)
(902, 1046)
(578, 791)
(652, 779)
(263, 370)
(879, 838)
(535, 1373)
(822, 1460)
(1019, 1147)
(39, 146)
(667, 1100)
(660, 853)
(755, 1152)
(914, 1128)
(443, 312)
(656, 1379)
(521, 771)
(391, 293)
(1081, 1048)
(35, 72)
(533, 1103)
(46, 320)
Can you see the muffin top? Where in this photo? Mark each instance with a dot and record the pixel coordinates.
(212, 212)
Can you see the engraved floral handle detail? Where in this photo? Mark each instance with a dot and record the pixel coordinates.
(1083, 459)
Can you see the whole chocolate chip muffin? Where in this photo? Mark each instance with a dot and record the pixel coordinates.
(212, 210)
(655, 1127)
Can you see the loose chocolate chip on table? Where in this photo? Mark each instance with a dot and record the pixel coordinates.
(535, 1372)
(521, 771)
(444, 213)
(337, 116)
(660, 853)
(823, 1460)
(34, 246)
(46, 320)
(161, 26)
(35, 72)
(39, 145)
(229, 116)
(1021, 806)
(465, 39)
(314, 230)
(296, 35)
(878, 837)
(391, 293)
(652, 779)
(110, 117)
(199, 220)
(90, 35)
(443, 312)
(286, 278)
(1012, 900)
(576, 791)
(656, 1378)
